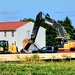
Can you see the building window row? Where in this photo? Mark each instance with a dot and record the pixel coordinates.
(12, 34)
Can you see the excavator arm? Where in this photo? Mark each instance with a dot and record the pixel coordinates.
(37, 24)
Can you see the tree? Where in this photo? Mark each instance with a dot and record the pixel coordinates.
(68, 27)
(51, 34)
(27, 20)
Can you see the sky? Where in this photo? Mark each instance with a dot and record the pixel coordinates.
(16, 10)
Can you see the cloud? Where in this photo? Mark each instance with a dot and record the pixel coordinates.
(12, 17)
(66, 13)
(60, 12)
(8, 13)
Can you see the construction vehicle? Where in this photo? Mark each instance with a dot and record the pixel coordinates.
(5, 48)
(63, 42)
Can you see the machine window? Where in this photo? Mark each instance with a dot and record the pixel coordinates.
(49, 48)
(44, 48)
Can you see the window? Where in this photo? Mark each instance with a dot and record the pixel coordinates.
(5, 33)
(12, 33)
(49, 48)
(44, 48)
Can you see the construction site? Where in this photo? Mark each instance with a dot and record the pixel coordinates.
(64, 49)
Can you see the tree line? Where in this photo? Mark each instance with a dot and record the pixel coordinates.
(52, 33)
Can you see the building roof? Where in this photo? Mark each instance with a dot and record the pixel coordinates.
(11, 25)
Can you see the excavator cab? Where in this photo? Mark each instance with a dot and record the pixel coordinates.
(60, 41)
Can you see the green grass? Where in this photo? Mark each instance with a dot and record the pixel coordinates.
(37, 68)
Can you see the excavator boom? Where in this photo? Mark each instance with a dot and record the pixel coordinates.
(28, 42)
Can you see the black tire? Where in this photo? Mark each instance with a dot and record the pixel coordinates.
(72, 49)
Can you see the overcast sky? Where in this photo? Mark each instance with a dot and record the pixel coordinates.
(15, 10)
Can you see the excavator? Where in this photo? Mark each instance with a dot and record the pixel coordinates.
(63, 42)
